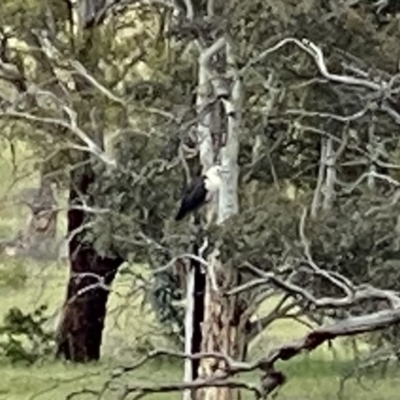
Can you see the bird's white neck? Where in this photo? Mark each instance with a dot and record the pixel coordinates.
(212, 180)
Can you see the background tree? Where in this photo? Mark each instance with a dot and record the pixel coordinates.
(312, 124)
(55, 97)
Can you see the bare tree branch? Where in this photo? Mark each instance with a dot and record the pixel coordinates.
(270, 378)
(79, 68)
(91, 146)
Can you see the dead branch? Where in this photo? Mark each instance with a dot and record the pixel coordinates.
(383, 90)
(81, 70)
(347, 327)
(327, 115)
(352, 294)
(320, 180)
(349, 188)
(270, 378)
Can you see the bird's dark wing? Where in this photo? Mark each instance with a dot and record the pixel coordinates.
(193, 197)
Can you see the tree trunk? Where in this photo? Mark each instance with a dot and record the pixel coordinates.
(224, 331)
(225, 317)
(82, 322)
(195, 291)
(198, 312)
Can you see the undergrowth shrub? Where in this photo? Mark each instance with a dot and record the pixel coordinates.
(23, 337)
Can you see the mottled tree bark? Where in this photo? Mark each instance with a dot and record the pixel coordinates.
(82, 322)
(224, 331)
(225, 318)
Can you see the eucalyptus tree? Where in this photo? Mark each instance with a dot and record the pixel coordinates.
(62, 79)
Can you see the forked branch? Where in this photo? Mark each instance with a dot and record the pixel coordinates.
(270, 378)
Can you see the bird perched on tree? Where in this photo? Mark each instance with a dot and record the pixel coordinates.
(200, 191)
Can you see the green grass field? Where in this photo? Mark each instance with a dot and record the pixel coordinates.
(130, 326)
(315, 376)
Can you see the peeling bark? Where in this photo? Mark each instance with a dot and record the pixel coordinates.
(81, 327)
(195, 279)
(224, 331)
(225, 318)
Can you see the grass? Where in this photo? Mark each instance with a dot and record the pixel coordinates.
(310, 377)
(308, 380)
(129, 326)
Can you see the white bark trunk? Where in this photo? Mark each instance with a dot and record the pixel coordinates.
(208, 82)
(330, 180)
(218, 334)
(316, 202)
(204, 137)
(206, 150)
(189, 315)
(228, 196)
(374, 153)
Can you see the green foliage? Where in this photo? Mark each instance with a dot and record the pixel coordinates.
(358, 239)
(143, 195)
(260, 235)
(24, 338)
(23, 10)
(164, 292)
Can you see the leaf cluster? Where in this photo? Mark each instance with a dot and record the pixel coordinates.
(24, 337)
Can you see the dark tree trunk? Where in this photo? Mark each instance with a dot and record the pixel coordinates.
(198, 311)
(81, 326)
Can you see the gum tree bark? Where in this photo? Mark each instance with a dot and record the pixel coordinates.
(225, 319)
(195, 279)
